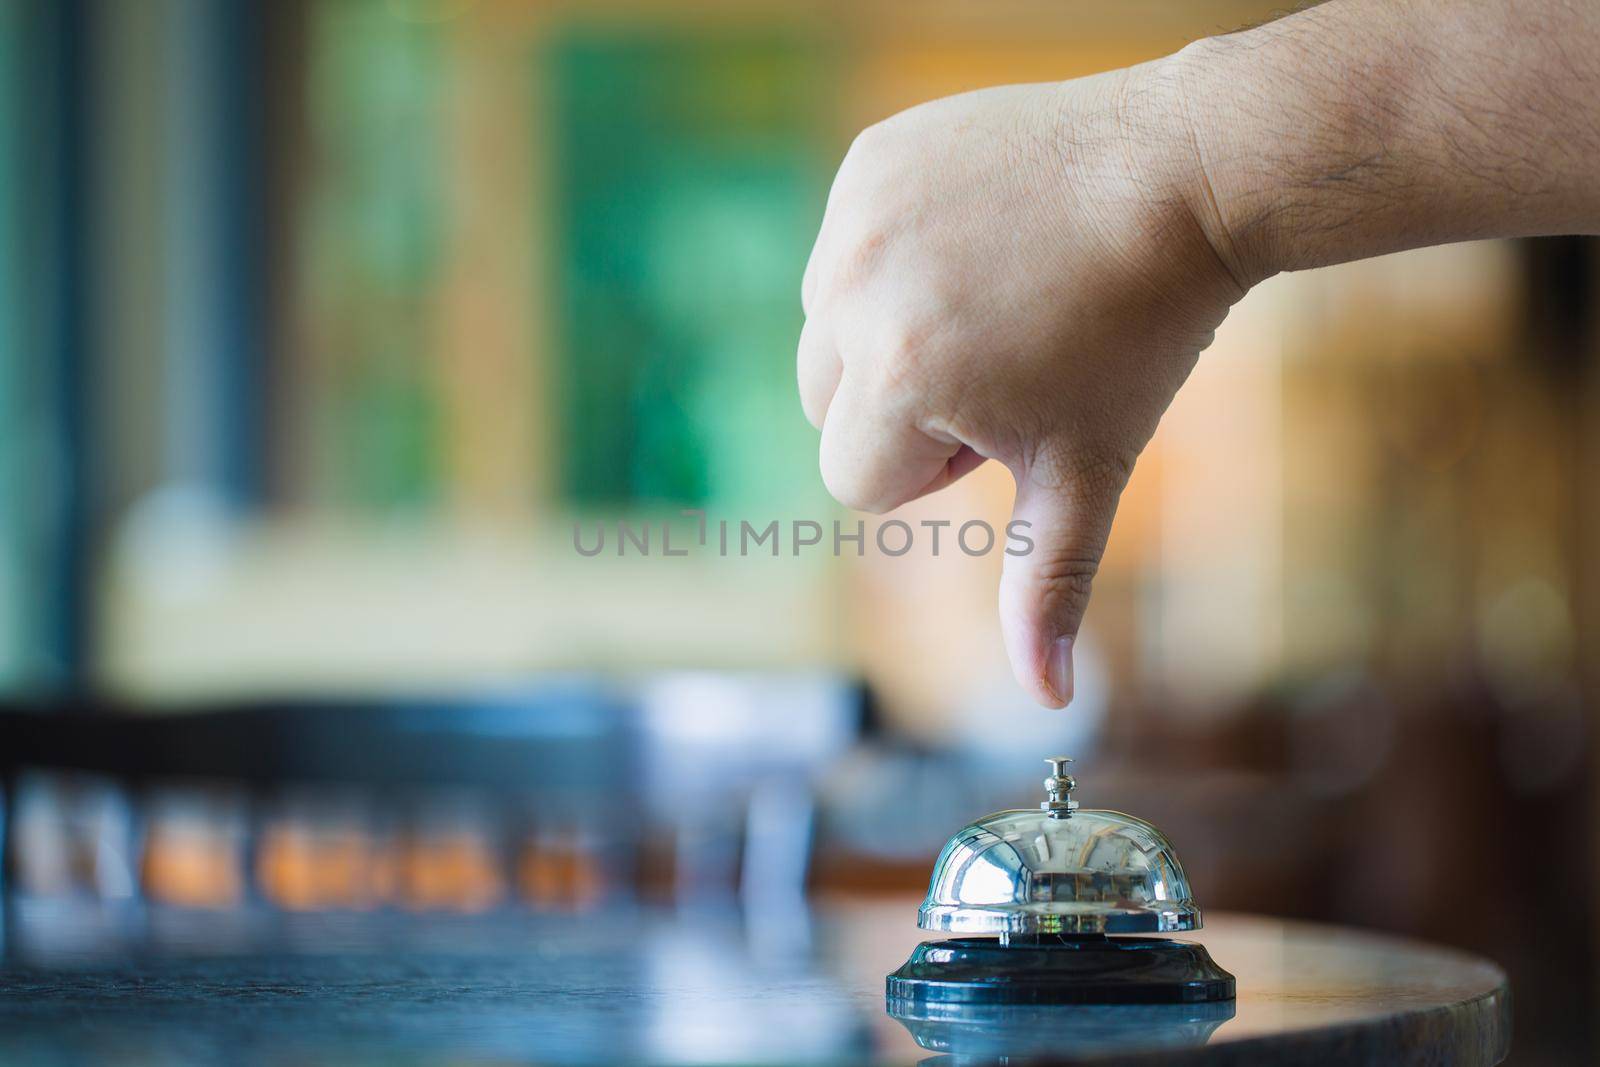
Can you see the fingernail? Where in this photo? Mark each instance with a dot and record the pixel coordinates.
(1059, 669)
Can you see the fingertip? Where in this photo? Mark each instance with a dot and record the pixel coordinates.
(1058, 669)
(1047, 699)
(1031, 660)
(1038, 687)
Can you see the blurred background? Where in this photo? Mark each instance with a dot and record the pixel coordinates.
(323, 321)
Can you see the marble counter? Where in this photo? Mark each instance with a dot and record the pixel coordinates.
(717, 987)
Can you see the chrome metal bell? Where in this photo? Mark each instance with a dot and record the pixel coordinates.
(1052, 884)
(1058, 870)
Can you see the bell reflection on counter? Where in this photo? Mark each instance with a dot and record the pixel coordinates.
(988, 1032)
(1042, 897)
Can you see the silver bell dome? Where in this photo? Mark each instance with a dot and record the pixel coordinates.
(1058, 870)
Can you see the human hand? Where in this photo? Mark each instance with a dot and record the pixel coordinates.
(1020, 274)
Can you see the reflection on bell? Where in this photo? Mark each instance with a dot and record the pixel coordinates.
(1047, 887)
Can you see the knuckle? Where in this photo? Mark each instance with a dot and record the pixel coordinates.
(848, 488)
(866, 250)
(902, 358)
(1084, 473)
(850, 476)
(812, 348)
(1107, 473)
(1065, 581)
(811, 405)
(814, 403)
(868, 142)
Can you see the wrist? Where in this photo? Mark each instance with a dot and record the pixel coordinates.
(1219, 188)
(1132, 130)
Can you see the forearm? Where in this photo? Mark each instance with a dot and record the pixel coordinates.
(1368, 126)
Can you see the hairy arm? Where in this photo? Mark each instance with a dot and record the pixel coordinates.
(1362, 127)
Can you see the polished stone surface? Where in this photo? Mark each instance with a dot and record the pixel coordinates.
(717, 987)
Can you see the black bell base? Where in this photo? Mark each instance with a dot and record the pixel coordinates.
(1058, 969)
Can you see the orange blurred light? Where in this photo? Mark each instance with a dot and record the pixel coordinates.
(191, 867)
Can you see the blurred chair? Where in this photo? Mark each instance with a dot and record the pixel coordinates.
(423, 803)
(559, 795)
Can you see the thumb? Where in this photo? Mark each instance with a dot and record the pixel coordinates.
(1045, 589)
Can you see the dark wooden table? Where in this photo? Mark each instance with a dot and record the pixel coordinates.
(717, 987)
